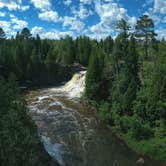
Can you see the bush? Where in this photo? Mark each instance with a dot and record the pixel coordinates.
(125, 124)
(104, 112)
(140, 131)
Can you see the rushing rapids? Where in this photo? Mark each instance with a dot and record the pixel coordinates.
(71, 133)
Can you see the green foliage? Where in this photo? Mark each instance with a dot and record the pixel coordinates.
(19, 142)
(93, 76)
(145, 30)
(126, 77)
(130, 89)
(2, 34)
(41, 62)
(104, 112)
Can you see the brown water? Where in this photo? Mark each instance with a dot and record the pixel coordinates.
(73, 135)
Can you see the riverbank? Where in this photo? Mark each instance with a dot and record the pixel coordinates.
(153, 148)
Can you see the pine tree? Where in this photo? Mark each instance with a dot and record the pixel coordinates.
(2, 34)
(145, 30)
(25, 33)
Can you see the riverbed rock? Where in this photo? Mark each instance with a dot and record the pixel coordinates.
(140, 161)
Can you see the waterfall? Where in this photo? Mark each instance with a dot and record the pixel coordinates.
(75, 87)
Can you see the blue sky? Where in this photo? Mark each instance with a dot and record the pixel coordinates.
(96, 18)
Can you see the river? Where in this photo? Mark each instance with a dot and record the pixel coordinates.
(72, 134)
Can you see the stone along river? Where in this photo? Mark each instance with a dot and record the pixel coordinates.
(71, 133)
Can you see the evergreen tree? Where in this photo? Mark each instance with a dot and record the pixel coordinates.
(131, 71)
(2, 34)
(93, 76)
(25, 33)
(126, 80)
(145, 30)
(108, 45)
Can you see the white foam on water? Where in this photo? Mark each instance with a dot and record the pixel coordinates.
(74, 88)
(40, 98)
(54, 150)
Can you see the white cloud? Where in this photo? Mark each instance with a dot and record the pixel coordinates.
(5, 25)
(50, 16)
(161, 33)
(109, 13)
(132, 21)
(53, 34)
(24, 8)
(37, 30)
(17, 24)
(82, 12)
(67, 2)
(160, 6)
(86, 1)
(74, 23)
(46, 13)
(2, 14)
(43, 5)
(13, 5)
(100, 29)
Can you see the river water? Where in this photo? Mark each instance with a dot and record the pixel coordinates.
(71, 133)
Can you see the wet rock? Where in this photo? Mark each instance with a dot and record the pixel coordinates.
(140, 161)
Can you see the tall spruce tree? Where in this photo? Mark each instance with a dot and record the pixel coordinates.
(131, 77)
(93, 76)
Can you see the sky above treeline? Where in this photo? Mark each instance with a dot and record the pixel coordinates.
(54, 19)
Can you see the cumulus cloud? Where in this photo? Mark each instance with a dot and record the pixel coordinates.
(50, 16)
(106, 12)
(110, 17)
(109, 13)
(46, 12)
(67, 2)
(86, 1)
(17, 24)
(74, 23)
(43, 5)
(82, 12)
(13, 5)
(53, 34)
(161, 33)
(5, 25)
(37, 30)
(160, 6)
(2, 14)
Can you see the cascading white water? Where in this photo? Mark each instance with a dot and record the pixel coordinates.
(75, 87)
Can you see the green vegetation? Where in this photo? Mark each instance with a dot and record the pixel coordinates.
(128, 86)
(126, 79)
(19, 141)
(41, 62)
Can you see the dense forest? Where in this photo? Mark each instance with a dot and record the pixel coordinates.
(36, 61)
(125, 82)
(127, 85)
